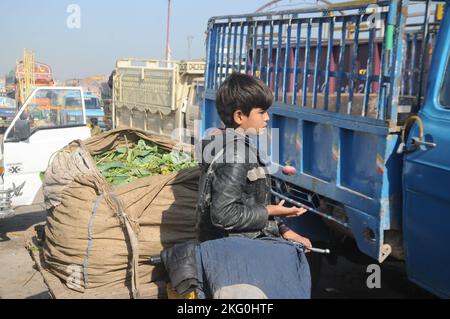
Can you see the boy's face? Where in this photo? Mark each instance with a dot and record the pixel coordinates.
(256, 121)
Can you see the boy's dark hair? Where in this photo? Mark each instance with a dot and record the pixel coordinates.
(94, 121)
(241, 92)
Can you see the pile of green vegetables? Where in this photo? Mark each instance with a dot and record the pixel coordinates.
(126, 164)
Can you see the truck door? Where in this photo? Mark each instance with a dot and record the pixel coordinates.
(426, 179)
(43, 125)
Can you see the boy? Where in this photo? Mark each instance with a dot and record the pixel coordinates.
(234, 193)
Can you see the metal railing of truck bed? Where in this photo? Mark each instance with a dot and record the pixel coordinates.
(359, 59)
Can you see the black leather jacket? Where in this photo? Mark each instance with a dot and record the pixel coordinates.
(234, 191)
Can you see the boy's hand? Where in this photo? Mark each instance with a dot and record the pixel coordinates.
(290, 234)
(280, 210)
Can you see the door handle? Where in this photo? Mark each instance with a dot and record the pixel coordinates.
(417, 141)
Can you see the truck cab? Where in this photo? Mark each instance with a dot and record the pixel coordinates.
(43, 125)
(94, 108)
(8, 110)
(426, 177)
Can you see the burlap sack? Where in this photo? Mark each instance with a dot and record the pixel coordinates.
(98, 235)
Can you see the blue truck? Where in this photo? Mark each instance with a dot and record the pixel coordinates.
(362, 110)
(94, 108)
(8, 110)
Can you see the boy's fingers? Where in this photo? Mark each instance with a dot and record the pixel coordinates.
(292, 214)
(281, 203)
(298, 210)
(295, 211)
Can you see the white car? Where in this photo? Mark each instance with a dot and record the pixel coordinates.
(40, 128)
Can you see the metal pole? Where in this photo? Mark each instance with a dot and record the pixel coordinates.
(424, 50)
(189, 39)
(315, 211)
(168, 33)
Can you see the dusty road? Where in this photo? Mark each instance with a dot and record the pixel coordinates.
(346, 277)
(18, 277)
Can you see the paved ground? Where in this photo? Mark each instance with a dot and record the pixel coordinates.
(18, 277)
(346, 279)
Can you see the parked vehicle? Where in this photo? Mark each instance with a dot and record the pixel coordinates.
(360, 119)
(94, 108)
(26, 79)
(7, 112)
(42, 126)
(157, 96)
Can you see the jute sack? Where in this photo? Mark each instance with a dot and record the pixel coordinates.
(98, 235)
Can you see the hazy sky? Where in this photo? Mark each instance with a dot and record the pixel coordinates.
(109, 29)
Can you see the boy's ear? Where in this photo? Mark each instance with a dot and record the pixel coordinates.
(238, 117)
